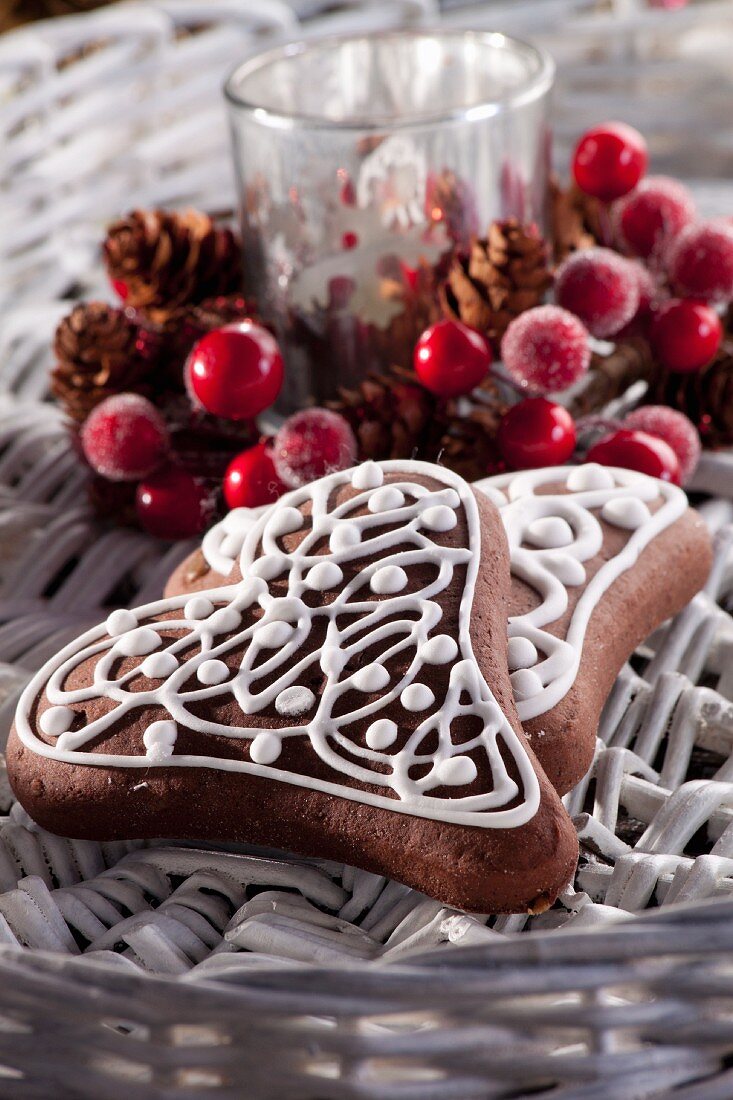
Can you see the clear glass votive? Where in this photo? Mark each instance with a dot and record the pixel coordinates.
(361, 162)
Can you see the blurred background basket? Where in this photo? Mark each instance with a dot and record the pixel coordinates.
(162, 970)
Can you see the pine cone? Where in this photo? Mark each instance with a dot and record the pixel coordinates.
(100, 351)
(611, 375)
(468, 432)
(167, 260)
(705, 396)
(504, 274)
(575, 220)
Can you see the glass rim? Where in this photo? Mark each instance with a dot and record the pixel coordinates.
(536, 85)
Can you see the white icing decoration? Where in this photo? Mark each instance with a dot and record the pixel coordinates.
(371, 678)
(159, 665)
(159, 740)
(457, 771)
(525, 683)
(223, 621)
(198, 607)
(626, 512)
(344, 536)
(283, 522)
(56, 720)
(223, 544)
(440, 518)
(381, 734)
(367, 476)
(119, 622)
(212, 672)
(590, 476)
(440, 650)
(566, 568)
(550, 533)
(353, 622)
(522, 654)
(138, 642)
(323, 576)
(273, 635)
(388, 580)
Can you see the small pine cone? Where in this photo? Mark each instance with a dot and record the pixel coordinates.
(609, 376)
(170, 259)
(575, 220)
(390, 415)
(100, 351)
(706, 396)
(503, 275)
(468, 429)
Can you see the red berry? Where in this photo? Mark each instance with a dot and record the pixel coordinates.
(634, 450)
(536, 432)
(173, 504)
(311, 444)
(600, 287)
(251, 478)
(674, 428)
(546, 349)
(349, 240)
(609, 161)
(235, 371)
(654, 213)
(701, 262)
(451, 359)
(120, 288)
(125, 437)
(685, 335)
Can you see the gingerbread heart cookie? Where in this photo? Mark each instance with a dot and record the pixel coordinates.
(347, 698)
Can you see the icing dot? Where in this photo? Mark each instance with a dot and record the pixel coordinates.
(250, 591)
(439, 518)
(56, 720)
(332, 660)
(381, 734)
(198, 608)
(567, 569)
(525, 683)
(440, 650)
(269, 566)
(224, 620)
(550, 532)
(239, 521)
(294, 700)
(367, 476)
(386, 499)
(138, 642)
(522, 654)
(119, 622)
(324, 575)
(265, 748)
(456, 771)
(590, 476)
(286, 609)
(388, 579)
(274, 635)
(65, 741)
(159, 665)
(231, 545)
(212, 672)
(284, 521)
(159, 739)
(626, 512)
(372, 678)
(417, 697)
(344, 536)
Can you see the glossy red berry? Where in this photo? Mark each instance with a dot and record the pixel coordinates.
(251, 478)
(652, 215)
(235, 372)
(536, 432)
(311, 444)
(609, 161)
(125, 437)
(633, 450)
(172, 504)
(546, 349)
(674, 428)
(451, 359)
(600, 287)
(701, 262)
(685, 335)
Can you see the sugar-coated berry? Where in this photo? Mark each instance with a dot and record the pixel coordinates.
(536, 432)
(311, 444)
(451, 359)
(685, 335)
(674, 428)
(701, 262)
(652, 215)
(609, 161)
(172, 504)
(546, 349)
(124, 437)
(600, 287)
(236, 371)
(251, 478)
(633, 450)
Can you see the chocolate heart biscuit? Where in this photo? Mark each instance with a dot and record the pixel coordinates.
(348, 698)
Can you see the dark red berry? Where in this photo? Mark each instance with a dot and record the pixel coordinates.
(536, 432)
(235, 372)
(600, 287)
(172, 504)
(251, 478)
(451, 359)
(546, 349)
(311, 444)
(125, 437)
(609, 161)
(674, 428)
(633, 450)
(701, 262)
(685, 334)
(653, 214)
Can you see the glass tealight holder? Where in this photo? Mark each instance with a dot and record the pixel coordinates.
(363, 163)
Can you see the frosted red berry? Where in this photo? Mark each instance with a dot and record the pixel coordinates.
(634, 450)
(125, 437)
(172, 504)
(251, 478)
(451, 359)
(236, 371)
(685, 335)
(674, 428)
(609, 161)
(701, 262)
(311, 444)
(652, 215)
(536, 432)
(600, 287)
(546, 349)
